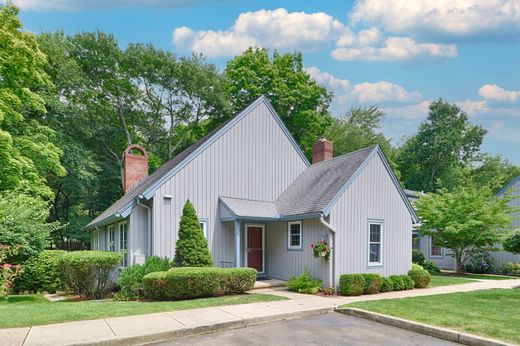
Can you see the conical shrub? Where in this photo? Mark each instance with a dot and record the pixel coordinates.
(191, 249)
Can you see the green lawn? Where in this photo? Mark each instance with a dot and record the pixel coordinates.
(479, 276)
(494, 313)
(444, 280)
(31, 310)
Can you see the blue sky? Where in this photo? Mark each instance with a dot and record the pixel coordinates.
(396, 54)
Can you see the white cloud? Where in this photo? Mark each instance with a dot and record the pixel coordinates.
(277, 29)
(347, 94)
(442, 19)
(415, 111)
(396, 48)
(495, 93)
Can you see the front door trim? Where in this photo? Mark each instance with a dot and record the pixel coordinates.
(262, 226)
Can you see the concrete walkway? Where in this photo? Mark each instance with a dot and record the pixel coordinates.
(140, 329)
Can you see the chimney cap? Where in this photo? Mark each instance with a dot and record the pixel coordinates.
(128, 150)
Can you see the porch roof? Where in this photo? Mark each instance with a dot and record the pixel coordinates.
(233, 208)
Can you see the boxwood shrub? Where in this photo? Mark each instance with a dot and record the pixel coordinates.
(372, 283)
(420, 276)
(41, 273)
(386, 285)
(351, 284)
(88, 273)
(402, 282)
(194, 282)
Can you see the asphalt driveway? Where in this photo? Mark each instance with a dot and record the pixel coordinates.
(327, 329)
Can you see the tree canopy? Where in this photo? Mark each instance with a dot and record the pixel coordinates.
(464, 221)
(297, 98)
(445, 143)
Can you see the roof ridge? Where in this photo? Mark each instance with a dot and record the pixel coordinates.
(345, 155)
(247, 199)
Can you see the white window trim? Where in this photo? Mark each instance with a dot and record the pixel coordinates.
(127, 255)
(289, 246)
(111, 247)
(431, 246)
(204, 225)
(381, 243)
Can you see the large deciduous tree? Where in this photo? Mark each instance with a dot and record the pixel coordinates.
(299, 100)
(465, 221)
(445, 143)
(28, 155)
(360, 128)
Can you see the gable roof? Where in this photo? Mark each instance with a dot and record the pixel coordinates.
(318, 188)
(147, 187)
(508, 186)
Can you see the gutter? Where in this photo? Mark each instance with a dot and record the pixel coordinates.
(149, 222)
(332, 266)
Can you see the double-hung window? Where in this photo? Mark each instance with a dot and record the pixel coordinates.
(294, 235)
(375, 242)
(123, 242)
(435, 251)
(111, 238)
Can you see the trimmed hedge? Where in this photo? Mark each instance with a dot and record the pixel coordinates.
(420, 276)
(372, 283)
(41, 273)
(402, 282)
(195, 282)
(351, 284)
(386, 285)
(87, 273)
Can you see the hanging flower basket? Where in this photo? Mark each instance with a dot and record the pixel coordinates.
(322, 249)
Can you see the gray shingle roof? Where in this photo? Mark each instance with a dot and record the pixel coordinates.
(508, 186)
(251, 208)
(317, 186)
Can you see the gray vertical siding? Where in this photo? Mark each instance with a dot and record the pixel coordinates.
(283, 263)
(444, 262)
(515, 203)
(372, 195)
(254, 159)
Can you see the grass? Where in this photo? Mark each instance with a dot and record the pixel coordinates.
(444, 280)
(479, 276)
(494, 313)
(31, 310)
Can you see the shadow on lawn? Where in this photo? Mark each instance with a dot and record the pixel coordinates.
(21, 299)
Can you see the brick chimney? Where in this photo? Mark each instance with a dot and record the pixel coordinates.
(321, 150)
(135, 167)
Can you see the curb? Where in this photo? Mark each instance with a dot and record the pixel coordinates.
(199, 330)
(437, 332)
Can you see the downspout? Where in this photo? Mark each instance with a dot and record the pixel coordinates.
(332, 281)
(149, 219)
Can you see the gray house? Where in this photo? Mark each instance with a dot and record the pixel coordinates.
(442, 257)
(261, 204)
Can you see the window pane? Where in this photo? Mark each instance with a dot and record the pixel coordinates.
(375, 252)
(436, 250)
(295, 240)
(375, 233)
(295, 235)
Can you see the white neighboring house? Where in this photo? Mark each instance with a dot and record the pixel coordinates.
(442, 257)
(261, 203)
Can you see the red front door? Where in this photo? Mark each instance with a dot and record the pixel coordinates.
(255, 248)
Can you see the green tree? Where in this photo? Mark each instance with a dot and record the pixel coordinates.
(360, 128)
(465, 221)
(299, 100)
(23, 225)
(445, 143)
(191, 249)
(492, 171)
(28, 155)
(512, 243)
